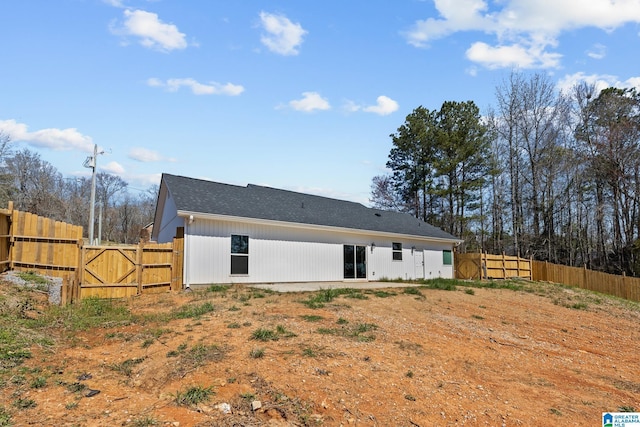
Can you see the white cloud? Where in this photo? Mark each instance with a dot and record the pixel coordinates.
(598, 51)
(52, 138)
(112, 167)
(155, 82)
(197, 88)
(383, 107)
(152, 32)
(513, 56)
(633, 82)
(600, 81)
(524, 30)
(142, 181)
(148, 179)
(282, 36)
(351, 107)
(114, 3)
(145, 155)
(310, 101)
(461, 15)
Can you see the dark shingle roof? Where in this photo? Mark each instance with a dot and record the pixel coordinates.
(255, 201)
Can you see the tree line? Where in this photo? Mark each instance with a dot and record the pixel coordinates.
(36, 186)
(543, 173)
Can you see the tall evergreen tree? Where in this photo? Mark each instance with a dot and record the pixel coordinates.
(439, 161)
(411, 160)
(461, 162)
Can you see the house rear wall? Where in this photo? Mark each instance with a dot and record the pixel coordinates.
(291, 254)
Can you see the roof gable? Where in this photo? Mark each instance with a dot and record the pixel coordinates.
(259, 202)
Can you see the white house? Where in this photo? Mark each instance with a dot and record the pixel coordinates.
(257, 234)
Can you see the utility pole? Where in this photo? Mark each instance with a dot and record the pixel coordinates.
(100, 224)
(91, 163)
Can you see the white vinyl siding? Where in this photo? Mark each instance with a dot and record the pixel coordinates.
(170, 220)
(293, 254)
(277, 254)
(381, 259)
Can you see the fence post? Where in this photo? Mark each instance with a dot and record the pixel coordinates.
(70, 290)
(79, 273)
(76, 290)
(11, 233)
(139, 266)
(504, 266)
(64, 291)
(83, 259)
(177, 260)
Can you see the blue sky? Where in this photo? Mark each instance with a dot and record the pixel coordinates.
(300, 95)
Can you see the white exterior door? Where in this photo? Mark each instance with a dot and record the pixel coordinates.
(418, 260)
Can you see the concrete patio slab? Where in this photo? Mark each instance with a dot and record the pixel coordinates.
(316, 286)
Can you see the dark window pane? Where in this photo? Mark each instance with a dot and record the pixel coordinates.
(349, 265)
(239, 264)
(447, 259)
(361, 262)
(239, 244)
(397, 246)
(397, 256)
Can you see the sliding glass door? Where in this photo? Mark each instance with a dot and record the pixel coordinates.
(355, 262)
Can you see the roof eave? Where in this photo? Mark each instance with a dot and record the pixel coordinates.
(260, 221)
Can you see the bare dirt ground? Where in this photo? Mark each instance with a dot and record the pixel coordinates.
(536, 356)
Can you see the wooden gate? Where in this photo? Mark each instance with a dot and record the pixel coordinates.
(468, 267)
(479, 266)
(109, 271)
(123, 271)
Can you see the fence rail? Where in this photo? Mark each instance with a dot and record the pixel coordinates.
(481, 266)
(30, 242)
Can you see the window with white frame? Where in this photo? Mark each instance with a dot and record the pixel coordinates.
(397, 251)
(239, 254)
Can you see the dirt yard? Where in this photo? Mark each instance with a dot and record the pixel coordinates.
(538, 355)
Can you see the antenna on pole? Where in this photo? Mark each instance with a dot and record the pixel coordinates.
(91, 163)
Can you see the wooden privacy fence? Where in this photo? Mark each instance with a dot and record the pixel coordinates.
(479, 266)
(610, 284)
(33, 243)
